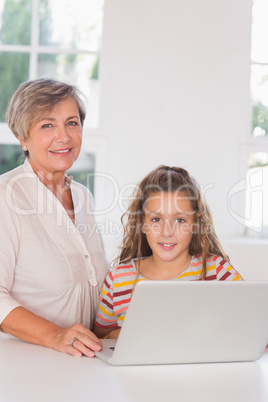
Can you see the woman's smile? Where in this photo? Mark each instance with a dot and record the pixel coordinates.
(63, 152)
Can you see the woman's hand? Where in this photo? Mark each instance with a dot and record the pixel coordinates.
(76, 341)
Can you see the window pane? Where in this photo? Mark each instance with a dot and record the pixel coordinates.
(83, 170)
(15, 20)
(80, 70)
(259, 97)
(11, 156)
(257, 193)
(73, 24)
(14, 69)
(259, 48)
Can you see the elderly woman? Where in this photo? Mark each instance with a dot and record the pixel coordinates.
(50, 273)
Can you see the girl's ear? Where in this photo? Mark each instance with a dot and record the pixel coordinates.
(194, 228)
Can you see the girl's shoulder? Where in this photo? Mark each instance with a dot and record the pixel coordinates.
(211, 260)
(218, 268)
(124, 268)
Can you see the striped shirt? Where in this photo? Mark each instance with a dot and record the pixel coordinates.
(117, 288)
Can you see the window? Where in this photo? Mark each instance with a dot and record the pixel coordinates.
(57, 39)
(48, 38)
(259, 68)
(257, 193)
(255, 150)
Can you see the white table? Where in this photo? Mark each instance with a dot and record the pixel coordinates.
(35, 374)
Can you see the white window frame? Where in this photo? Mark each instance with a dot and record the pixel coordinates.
(92, 142)
(34, 49)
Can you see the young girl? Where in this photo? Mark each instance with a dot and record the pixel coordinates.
(168, 235)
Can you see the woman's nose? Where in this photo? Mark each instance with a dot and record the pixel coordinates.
(62, 134)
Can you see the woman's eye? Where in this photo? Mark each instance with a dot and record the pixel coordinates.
(47, 125)
(156, 219)
(72, 123)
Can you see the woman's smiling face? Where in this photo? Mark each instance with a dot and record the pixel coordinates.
(168, 225)
(55, 140)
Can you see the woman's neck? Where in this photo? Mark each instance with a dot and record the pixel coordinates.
(58, 185)
(55, 182)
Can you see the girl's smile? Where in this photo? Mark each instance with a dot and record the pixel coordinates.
(167, 246)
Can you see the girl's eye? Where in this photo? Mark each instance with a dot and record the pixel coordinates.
(180, 220)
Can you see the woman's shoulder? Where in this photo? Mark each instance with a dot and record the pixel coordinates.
(17, 172)
(83, 193)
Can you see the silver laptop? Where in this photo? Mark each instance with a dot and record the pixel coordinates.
(171, 322)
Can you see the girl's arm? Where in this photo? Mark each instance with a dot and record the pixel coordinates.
(106, 321)
(29, 327)
(107, 333)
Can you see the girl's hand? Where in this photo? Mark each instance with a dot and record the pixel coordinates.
(113, 334)
(76, 341)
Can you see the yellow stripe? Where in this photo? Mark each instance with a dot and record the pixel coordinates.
(121, 318)
(119, 285)
(103, 291)
(237, 277)
(211, 268)
(195, 273)
(192, 273)
(105, 311)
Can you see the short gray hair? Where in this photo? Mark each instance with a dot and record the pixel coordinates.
(34, 97)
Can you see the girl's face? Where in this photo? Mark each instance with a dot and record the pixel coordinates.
(168, 225)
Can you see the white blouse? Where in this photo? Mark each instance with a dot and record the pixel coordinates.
(48, 265)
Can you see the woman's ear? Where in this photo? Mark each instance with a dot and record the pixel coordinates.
(20, 140)
(22, 143)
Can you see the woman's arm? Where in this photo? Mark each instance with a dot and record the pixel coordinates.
(29, 327)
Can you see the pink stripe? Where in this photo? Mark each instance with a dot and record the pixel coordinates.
(111, 276)
(218, 270)
(122, 302)
(196, 264)
(107, 295)
(104, 319)
(121, 310)
(122, 274)
(124, 266)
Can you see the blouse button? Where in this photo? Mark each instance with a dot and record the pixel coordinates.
(86, 255)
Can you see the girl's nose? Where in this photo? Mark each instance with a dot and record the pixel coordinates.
(167, 228)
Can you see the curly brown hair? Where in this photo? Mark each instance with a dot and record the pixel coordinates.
(169, 179)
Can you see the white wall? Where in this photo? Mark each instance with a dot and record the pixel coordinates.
(175, 90)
